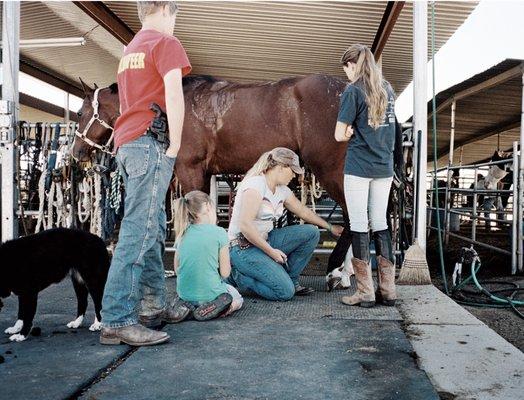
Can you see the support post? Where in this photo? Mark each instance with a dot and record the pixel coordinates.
(474, 212)
(213, 190)
(66, 108)
(521, 182)
(448, 205)
(9, 114)
(420, 112)
(514, 219)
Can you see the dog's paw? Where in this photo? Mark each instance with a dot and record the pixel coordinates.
(76, 323)
(17, 338)
(97, 325)
(17, 327)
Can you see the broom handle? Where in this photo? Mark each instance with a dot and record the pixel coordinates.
(415, 214)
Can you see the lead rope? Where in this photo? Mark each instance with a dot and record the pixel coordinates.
(96, 215)
(84, 200)
(50, 197)
(315, 191)
(41, 222)
(115, 195)
(173, 197)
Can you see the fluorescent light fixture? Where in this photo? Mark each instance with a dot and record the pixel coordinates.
(52, 42)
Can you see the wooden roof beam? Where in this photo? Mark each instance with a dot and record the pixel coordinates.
(42, 105)
(50, 77)
(487, 84)
(511, 123)
(46, 107)
(391, 14)
(107, 19)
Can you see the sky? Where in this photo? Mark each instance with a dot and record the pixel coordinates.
(493, 32)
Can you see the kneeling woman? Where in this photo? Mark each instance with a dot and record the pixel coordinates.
(265, 260)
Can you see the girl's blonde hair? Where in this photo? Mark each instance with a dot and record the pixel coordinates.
(186, 210)
(370, 76)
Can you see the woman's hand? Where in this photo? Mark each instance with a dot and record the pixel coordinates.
(278, 256)
(349, 132)
(336, 230)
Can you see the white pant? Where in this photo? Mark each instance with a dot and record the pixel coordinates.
(365, 195)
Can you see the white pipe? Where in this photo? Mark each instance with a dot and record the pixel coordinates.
(10, 67)
(52, 42)
(420, 114)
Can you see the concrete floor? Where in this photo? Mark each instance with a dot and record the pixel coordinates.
(427, 347)
(308, 348)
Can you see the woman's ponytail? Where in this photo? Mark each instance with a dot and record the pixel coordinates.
(370, 76)
(186, 210)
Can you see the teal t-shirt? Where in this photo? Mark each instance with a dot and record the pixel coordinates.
(198, 278)
(370, 151)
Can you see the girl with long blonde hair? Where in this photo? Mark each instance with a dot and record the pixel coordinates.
(201, 261)
(367, 121)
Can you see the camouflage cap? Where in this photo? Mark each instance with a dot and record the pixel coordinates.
(287, 157)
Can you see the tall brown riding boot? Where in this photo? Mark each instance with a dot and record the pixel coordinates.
(365, 295)
(386, 292)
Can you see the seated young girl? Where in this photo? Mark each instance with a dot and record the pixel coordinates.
(202, 261)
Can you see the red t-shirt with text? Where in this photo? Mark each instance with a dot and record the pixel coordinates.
(146, 60)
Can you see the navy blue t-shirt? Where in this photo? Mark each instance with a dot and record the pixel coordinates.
(370, 151)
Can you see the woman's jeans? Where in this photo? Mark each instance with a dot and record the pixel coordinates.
(137, 270)
(367, 203)
(255, 270)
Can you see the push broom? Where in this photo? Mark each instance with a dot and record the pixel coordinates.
(415, 270)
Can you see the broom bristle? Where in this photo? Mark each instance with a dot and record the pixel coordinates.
(415, 270)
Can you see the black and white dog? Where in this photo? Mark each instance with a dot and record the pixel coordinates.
(32, 263)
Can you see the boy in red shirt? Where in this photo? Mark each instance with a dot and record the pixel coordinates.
(150, 71)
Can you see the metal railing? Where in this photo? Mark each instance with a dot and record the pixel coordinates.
(453, 209)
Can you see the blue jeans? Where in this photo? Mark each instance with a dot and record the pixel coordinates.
(137, 270)
(254, 270)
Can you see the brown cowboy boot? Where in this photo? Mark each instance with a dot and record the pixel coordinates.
(133, 335)
(386, 291)
(365, 295)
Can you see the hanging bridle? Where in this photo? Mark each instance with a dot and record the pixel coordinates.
(96, 117)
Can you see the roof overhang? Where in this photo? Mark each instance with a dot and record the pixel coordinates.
(487, 116)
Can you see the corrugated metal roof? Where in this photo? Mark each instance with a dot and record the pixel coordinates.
(261, 40)
(483, 119)
(241, 41)
(95, 62)
(397, 57)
